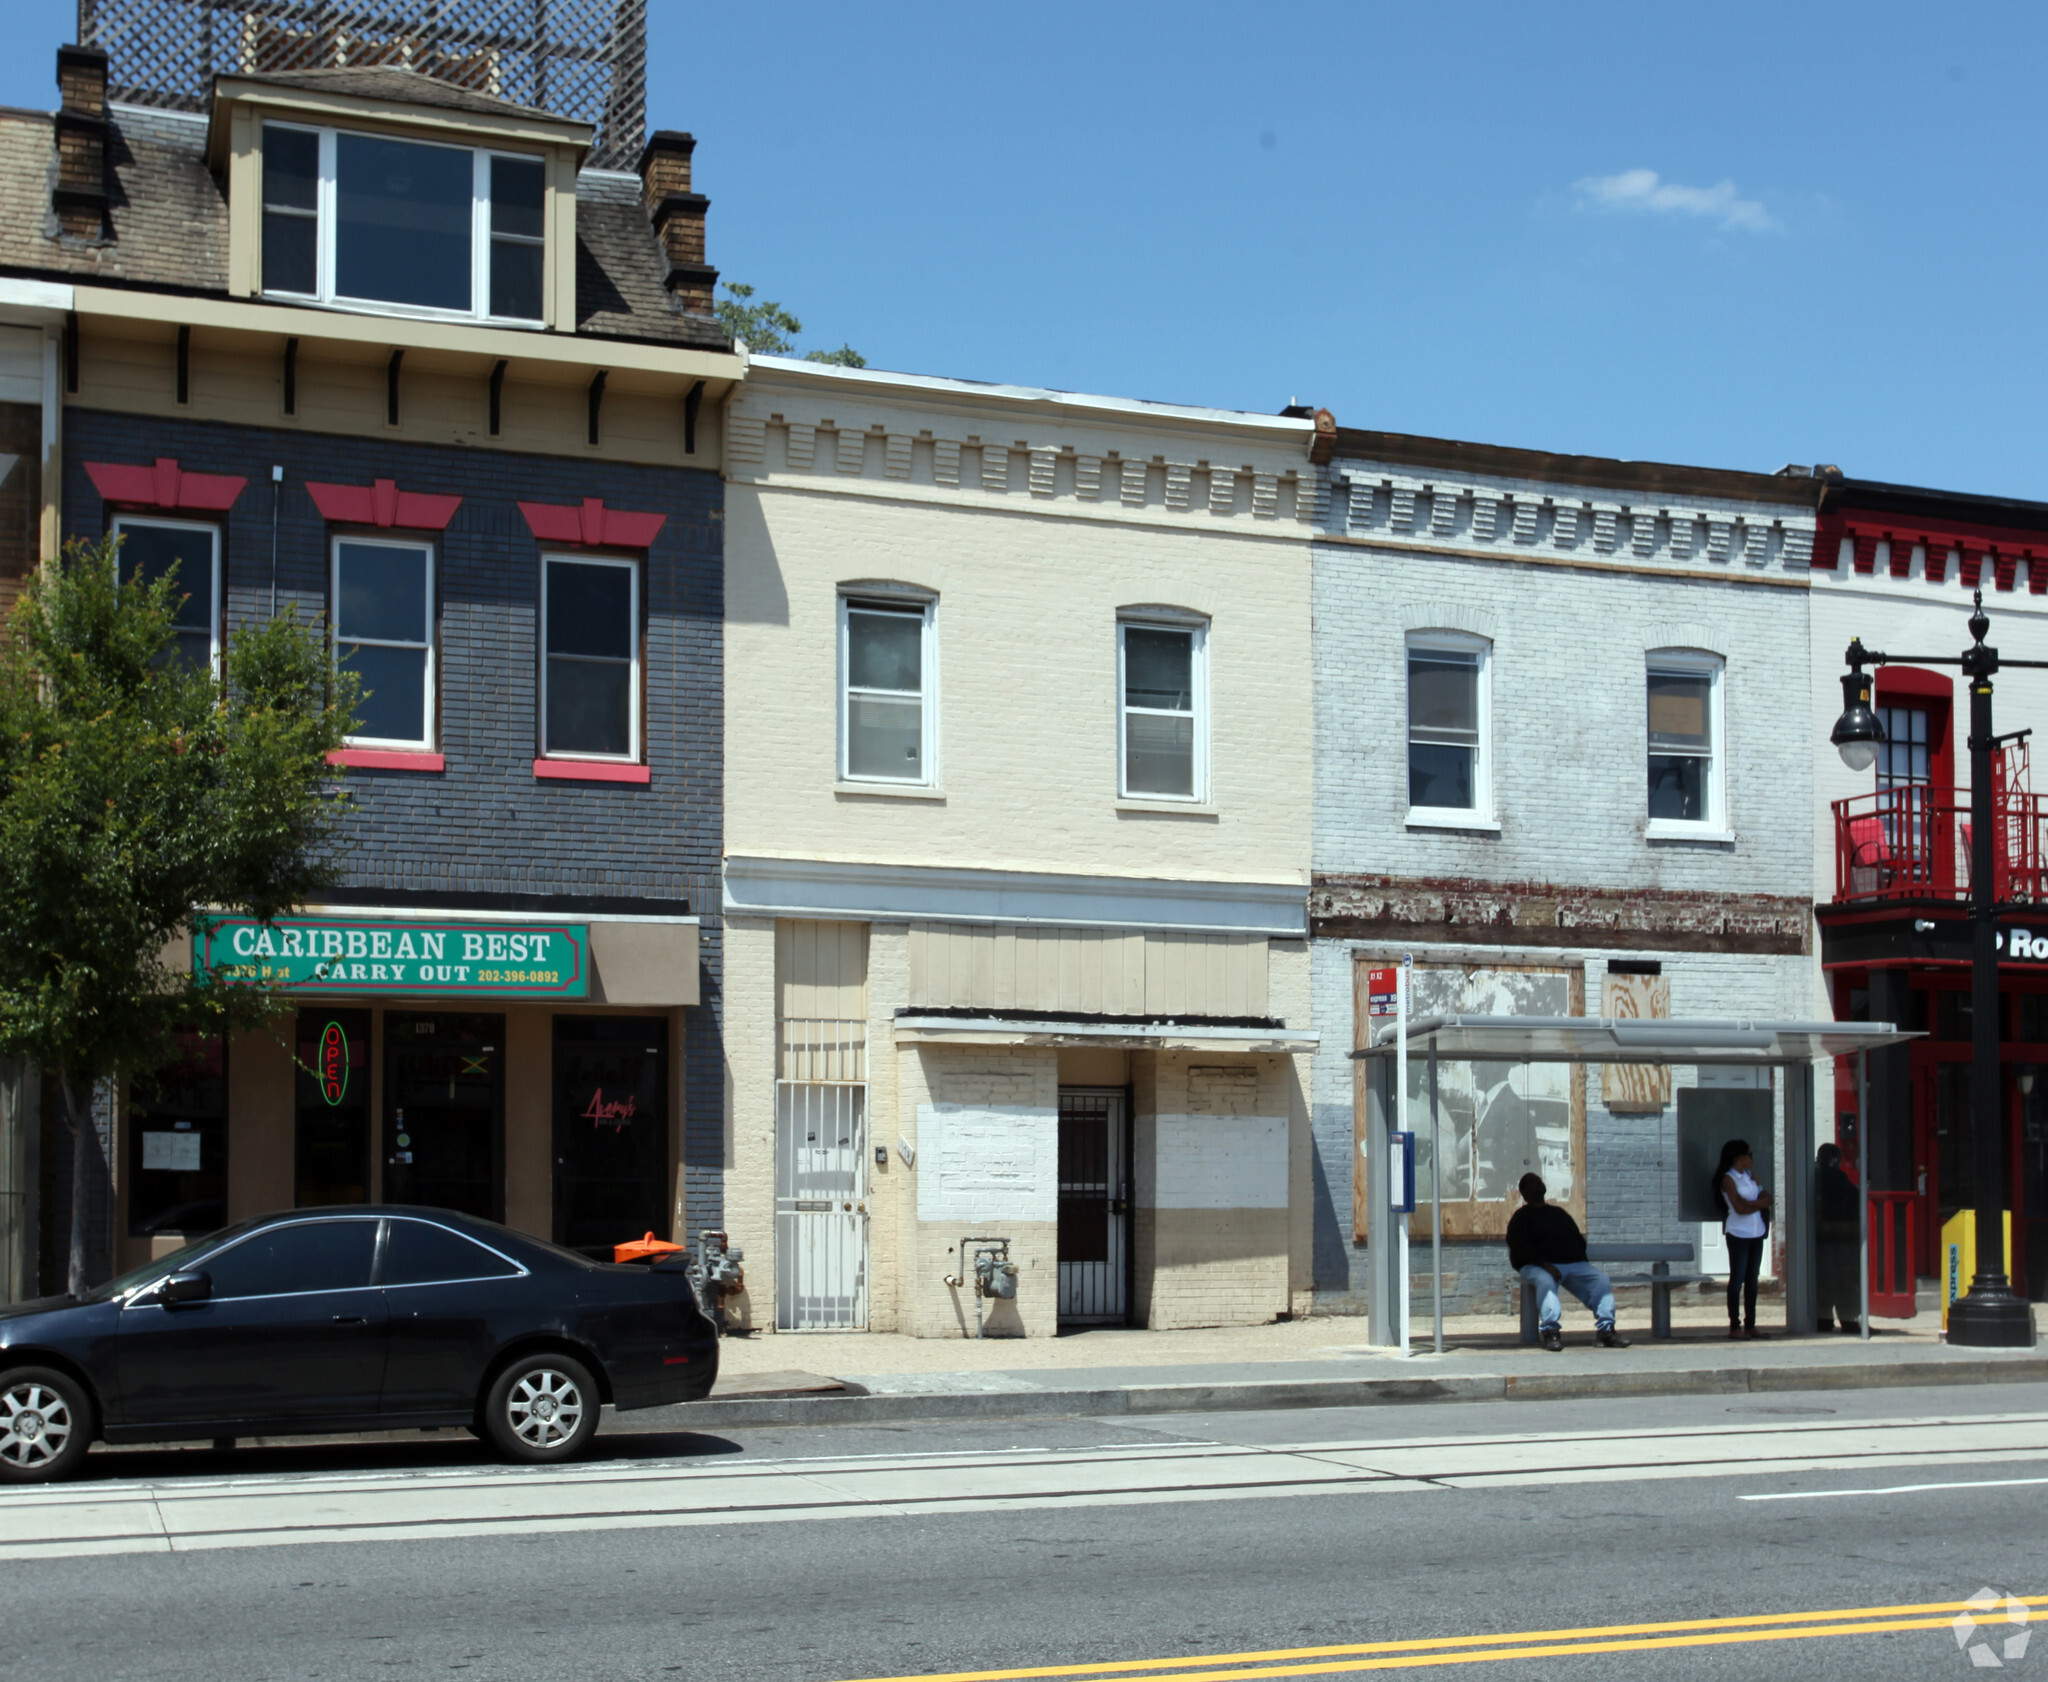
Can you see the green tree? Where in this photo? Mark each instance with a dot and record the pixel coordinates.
(771, 330)
(136, 790)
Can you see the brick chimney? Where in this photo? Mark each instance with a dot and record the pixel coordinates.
(78, 200)
(678, 216)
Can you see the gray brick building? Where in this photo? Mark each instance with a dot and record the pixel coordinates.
(1558, 761)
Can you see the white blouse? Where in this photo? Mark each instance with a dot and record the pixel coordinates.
(1750, 1225)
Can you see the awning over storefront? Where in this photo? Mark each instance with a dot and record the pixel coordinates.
(1108, 1036)
(1606, 1039)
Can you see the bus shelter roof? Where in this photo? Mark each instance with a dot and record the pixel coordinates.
(1606, 1039)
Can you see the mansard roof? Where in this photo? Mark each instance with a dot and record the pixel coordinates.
(168, 215)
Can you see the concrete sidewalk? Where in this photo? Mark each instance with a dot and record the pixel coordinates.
(871, 1378)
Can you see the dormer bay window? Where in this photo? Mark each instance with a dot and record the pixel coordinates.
(381, 222)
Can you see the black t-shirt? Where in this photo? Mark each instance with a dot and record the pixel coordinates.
(1542, 1232)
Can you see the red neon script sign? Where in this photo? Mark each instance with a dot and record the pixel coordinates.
(333, 1063)
(615, 1111)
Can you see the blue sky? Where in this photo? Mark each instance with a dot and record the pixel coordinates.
(1728, 234)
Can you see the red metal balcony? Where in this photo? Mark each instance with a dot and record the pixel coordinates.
(1913, 843)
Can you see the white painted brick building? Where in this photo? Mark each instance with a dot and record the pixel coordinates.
(1496, 632)
(1017, 731)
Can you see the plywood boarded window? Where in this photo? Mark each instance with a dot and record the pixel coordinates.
(1634, 1088)
(1087, 971)
(1498, 1120)
(821, 1000)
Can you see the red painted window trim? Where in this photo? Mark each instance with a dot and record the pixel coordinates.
(382, 504)
(164, 486)
(388, 759)
(1904, 685)
(590, 771)
(592, 525)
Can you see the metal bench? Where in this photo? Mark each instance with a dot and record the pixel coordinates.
(1660, 1279)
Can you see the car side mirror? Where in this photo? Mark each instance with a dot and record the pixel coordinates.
(190, 1286)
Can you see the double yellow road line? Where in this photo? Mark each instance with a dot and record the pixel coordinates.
(1520, 1644)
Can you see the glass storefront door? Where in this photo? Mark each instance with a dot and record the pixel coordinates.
(444, 1111)
(331, 1108)
(611, 1132)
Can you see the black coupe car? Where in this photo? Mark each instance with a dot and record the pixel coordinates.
(351, 1319)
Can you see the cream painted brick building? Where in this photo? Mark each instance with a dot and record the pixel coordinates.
(1018, 725)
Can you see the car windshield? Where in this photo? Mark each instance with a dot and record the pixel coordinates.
(150, 1272)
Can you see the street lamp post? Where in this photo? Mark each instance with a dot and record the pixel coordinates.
(1991, 1315)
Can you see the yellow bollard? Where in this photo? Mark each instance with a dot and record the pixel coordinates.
(1959, 1256)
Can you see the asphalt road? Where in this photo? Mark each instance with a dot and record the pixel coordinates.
(830, 1554)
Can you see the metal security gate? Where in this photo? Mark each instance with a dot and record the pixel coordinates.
(1094, 1208)
(821, 1207)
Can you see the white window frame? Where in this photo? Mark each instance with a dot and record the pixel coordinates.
(635, 642)
(925, 610)
(1692, 662)
(1480, 813)
(1197, 629)
(430, 714)
(139, 518)
(480, 235)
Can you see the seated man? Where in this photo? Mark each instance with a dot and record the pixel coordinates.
(1547, 1249)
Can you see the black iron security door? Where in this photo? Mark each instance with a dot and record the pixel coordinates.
(444, 1112)
(611, 1131)
(1094, 1207)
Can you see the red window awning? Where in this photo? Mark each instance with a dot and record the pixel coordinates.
(164, 486)
(381, 503)
(591, 525)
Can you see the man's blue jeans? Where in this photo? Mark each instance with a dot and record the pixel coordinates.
(1584, 1281)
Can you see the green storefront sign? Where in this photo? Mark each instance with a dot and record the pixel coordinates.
(414, 956)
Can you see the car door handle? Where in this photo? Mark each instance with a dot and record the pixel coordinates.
(349, 1320)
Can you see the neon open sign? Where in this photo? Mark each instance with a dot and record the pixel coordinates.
(333, 1063)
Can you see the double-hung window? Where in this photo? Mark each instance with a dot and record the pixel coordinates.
(384, 633)
(374, 220)
(885, 712)
(154, 549)
(1162, 684)
(590, 657)
(1450, 774)
(1685, 737)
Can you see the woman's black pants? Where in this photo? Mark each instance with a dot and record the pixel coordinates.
(1745, 1261)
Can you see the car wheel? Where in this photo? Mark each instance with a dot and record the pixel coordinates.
(542, 1408)
(45, 1425)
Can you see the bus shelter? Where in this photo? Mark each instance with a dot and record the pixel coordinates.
(1794, 1047)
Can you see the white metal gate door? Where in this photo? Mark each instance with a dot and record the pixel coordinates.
(1094, 1205)
(821, 1207)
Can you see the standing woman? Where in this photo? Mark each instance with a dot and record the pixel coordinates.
(1736, 1189)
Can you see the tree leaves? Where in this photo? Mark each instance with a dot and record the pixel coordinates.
(136, 789)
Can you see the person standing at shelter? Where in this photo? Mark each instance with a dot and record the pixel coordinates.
(1737, 1191)
(1547, 1249)
(1837, 1232)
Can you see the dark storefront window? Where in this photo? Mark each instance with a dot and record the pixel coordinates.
(178, 1144)
(332, 1126)
(611, 1130)
(444, 1112)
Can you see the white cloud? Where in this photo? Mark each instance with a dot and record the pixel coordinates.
(1645, 190)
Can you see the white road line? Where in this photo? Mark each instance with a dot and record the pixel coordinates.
(173, 1514)
(1895, 1489)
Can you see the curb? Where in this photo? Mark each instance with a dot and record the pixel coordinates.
(1141, 1399)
